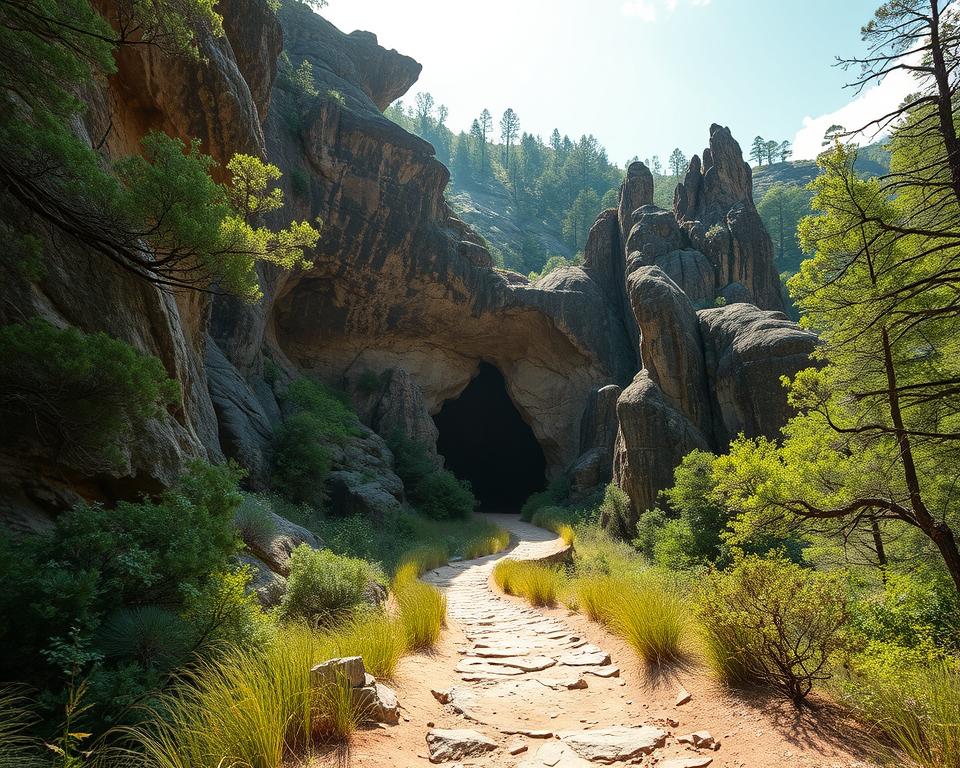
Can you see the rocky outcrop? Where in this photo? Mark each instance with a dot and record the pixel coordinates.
(653, 437)
(402, 303)
(714, 205)
(748, 350)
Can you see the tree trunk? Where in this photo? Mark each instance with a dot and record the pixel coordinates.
(944, 99)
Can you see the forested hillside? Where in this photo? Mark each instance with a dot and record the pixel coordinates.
(782, 196)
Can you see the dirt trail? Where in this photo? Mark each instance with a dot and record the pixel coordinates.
(563, 693)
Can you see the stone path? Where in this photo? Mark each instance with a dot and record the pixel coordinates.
(531, 688)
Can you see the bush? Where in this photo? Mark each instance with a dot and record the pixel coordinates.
(335, 420)
(81, 395)
(771, 621)
(536, 583)
(301, 459)
(412, 461)
(616, 515)
(442, 496)
(915, 703)
(486, 543)
(254, 521)
(592, 595)
(99, 563)
(559, 520)
(323, 587)
(301, 448)
(650, 615)
(256, 705)
(554, 494)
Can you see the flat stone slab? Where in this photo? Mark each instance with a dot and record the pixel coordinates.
(686, 762)
(617, 744)
(555, 755)
(523, 663)
(448, 744)
(578, 659)
(607, 671)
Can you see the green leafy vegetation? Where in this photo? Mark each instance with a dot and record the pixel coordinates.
(302, 444)
(158, 214)
(323, 586)
(81, 395)
(98, 595)
(437, 493)
(773, 622)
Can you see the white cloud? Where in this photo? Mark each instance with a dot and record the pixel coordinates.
(870, 104)
(648, 10)
(644, 10)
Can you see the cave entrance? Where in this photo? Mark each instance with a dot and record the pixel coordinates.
(484, 439)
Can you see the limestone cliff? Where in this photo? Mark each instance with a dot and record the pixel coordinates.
(618, 367)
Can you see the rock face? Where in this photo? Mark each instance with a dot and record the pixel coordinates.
(618, 366)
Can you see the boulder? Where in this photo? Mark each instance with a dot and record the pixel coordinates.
(332, 671)
(617, 744)
(747, 351)
(245, 430)
(446, 745)
(693, 273)
(670, 346)
(591, 470)
(377, 703)
(268, 586)
(275, 550)
(652, 439)
(598, 427)
(395, 403)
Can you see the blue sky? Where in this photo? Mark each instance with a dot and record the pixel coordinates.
(644, 76)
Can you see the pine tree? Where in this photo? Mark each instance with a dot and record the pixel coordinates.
(677, 162)
(758, 150)
(509, 130)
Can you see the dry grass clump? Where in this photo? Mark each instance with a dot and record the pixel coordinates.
(649, 614)
(422, 609)
(539, 584)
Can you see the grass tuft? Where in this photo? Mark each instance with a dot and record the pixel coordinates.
(539, 584)
(422, 610)
(650, 616)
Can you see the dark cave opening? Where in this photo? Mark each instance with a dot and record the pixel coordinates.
(484, 439)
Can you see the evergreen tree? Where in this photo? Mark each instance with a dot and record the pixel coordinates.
(785, 150)
(758, 151)
(677, 162)
(509, 130)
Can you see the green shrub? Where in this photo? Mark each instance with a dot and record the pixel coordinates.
(485, 544)
(302, 444)
(255, 523)
(692, 499)
(555, 493)
(323, 587)
(599, 553)
(616, 513)
(773, 622)
(915, 701)
(559, 520)
(441, 496)
(301, 459)
(96, 564)
(334, 417)
(412, 461)
(82, 395)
